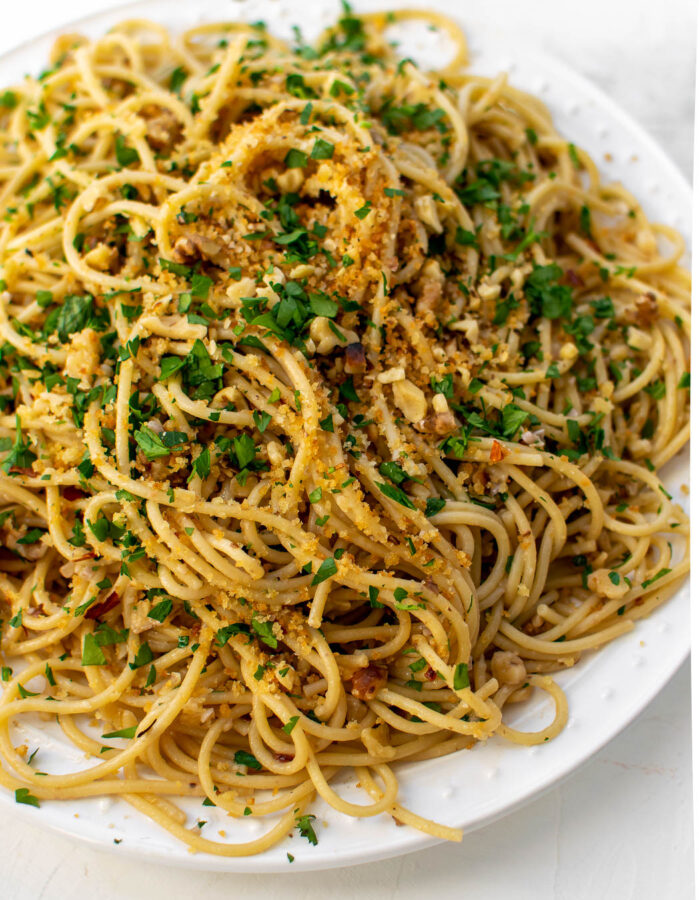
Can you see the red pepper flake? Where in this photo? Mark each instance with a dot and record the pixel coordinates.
(367, 682)
(498, 452)
(573, 278)
(71, 493)
(101, 609)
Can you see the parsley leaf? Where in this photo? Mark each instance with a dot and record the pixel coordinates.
(466, 238)
(161, 610)
(461, 679)
(326, 570)
(202, 464)
(244, 448)
(243, 758)
(223, 635)
(295, 159)
(322, 149)
(22, 795)
(20, 455)
(265, 633)
(434, 505)
(545, 295)
(92, 652)
(323, 306)
(151, 443)
(177, 79)
(394, 472)
(122, 733)
(303, 823)
(125, 155)
(396, 494)
(74, 315)
(512, 419)
(201, 285)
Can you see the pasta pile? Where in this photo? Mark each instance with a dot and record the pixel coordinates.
(332, 398)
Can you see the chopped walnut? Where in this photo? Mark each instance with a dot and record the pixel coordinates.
(430, 286)
(31, 552)
(646, 310)
(162, 128)
(440, 423)
(191, 247)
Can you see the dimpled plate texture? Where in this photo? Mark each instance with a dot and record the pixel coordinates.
(605, 691)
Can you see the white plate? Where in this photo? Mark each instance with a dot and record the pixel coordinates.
(605, 691)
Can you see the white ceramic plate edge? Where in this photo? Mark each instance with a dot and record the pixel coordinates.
(664, 670)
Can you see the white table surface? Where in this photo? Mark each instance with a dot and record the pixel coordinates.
(621, 827)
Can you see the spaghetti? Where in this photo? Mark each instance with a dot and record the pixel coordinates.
(332, 398)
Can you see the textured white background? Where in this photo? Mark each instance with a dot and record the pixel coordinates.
(620, 828)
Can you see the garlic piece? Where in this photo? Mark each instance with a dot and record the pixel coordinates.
(101, 257)
(469, 328)
(397, 373)
(291, 180)
(638, 340)
(440, 404)
(426, 209)
(410, 400)
(489, 291)
(507, 667)
(325, 339)
(601, 583)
